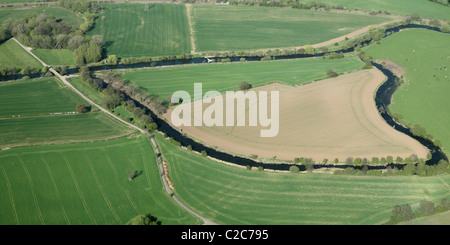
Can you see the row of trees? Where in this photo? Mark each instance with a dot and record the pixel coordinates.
(420, 169)
(361, 161)
(114, 97)
(404, 212)
(153, 102)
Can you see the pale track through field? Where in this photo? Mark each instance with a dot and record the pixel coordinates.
(191, 28)
(69, 85)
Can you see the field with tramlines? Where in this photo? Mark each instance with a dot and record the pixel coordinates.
(84, 183)
(130, 31)
(298, 121)
(232, 195)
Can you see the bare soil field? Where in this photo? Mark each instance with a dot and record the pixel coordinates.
(332, 118)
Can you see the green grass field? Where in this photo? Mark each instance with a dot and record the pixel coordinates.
(423, 99)
(130, 31)
(25, 116)
(87, 90)
(424, 8)
(231, 195)
(11, 54)
(237, 28)
(227, 77)
(60, 129)
(36, 96)
(437, 219)
(59, 12)
(55, 56)
(84, 183)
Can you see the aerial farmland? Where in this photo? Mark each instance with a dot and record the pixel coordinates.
(224, 112)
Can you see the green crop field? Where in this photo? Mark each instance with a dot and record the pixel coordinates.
(424, 8)
(36, 96)
(246, 27)
(84, 183)
(130, 31)
(227, 77)
(59, 12)
(231, 195)
(60, 129)
(26, 119)
(87, 90)
(11, 54)
(55, 56)
(423, 99)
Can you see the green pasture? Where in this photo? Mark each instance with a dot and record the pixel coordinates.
(55, 56)
(423, 99)
(130, 31)
(227, 77)
(84, 184)
(424, 8)
(238, 28)
(40, 111)
(232, 195)
(36, 96)
(86, 89)
(59, 12)
(12, 55)
(60, 129)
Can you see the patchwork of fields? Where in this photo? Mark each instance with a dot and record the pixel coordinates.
(62, 167)
(84, 183)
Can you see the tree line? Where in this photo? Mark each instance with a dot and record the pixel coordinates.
(114, 97)
(419, 169)
(404, 212)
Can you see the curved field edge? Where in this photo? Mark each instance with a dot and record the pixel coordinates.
(84, 183)
(328, 119)
(227, 76)
(232, 195)
(424, 8)
(423, 97)
(221, 28)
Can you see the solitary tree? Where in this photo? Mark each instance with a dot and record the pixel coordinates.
(402, 213)
(426, 208)
(294, 169)
(82, 108)
(332, 73)
(131, 174)
(204, 153)
(146, 219)
(245, 86)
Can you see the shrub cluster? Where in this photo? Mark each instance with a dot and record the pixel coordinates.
(114, 97)
(404, 212)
